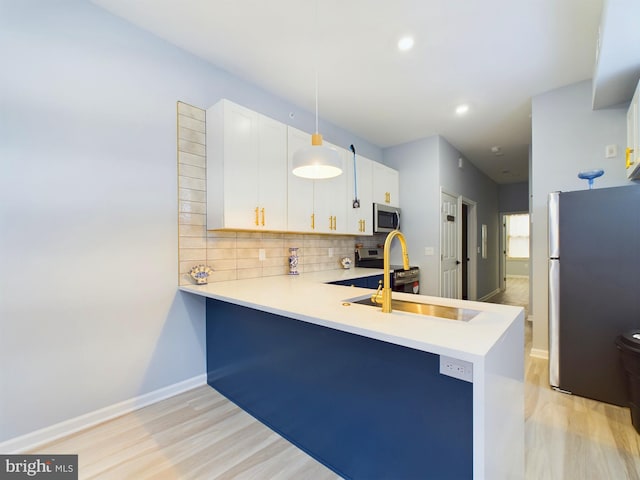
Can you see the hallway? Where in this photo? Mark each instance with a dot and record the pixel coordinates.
(516, 293)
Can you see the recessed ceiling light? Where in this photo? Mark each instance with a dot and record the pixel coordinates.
(495, 149)
(405, 43)
(462, 109)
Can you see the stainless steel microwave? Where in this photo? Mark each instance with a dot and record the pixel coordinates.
(385, 218)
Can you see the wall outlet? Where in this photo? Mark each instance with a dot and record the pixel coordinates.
(261, 254)
(456, 368)
(429, 251)
(611, 151)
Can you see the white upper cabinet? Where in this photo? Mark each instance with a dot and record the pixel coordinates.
(246, 169)
(318, 206)
(386, 188)
(632, 152)
(360, 220)
(250, 185)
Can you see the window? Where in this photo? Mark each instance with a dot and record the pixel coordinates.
(518, 236)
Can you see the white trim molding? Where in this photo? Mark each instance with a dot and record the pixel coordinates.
(539, 353)
(48, 434)
(489, 295)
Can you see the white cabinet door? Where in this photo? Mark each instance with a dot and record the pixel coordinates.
(272, 174)
(300, 216)
(386, 188)
(330, 199)
(360, 220)
(232, 160)
(246, 163)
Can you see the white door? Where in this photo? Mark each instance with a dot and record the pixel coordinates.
(449, 264)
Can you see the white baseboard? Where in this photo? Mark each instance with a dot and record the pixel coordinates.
(539, 353)
(33, 440)
(488, 296)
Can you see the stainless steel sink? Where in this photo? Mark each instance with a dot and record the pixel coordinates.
(440, 311)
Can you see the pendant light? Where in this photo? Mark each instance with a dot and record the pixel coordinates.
(316, 161)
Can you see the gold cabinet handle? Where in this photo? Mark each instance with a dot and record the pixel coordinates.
(627, 153)
(364, 225)
(262, 211)
(313, 221)
(257, 217)
(330, 223)
(387, 197)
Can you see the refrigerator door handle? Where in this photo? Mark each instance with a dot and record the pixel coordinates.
(554, 323)
(554, 224)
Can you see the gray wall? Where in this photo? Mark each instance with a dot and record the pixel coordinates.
(518, 267)
(475, 185)
(89, 308)
(513, 197)
(568, 137)
(425, 166)
(418, 165)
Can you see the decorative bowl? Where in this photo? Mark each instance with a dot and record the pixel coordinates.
(200, 273)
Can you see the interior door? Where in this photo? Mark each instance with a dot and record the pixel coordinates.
(449, 264)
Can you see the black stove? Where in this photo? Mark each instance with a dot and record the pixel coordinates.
(401, 280)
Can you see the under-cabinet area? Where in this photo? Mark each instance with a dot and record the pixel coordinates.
(250, 185)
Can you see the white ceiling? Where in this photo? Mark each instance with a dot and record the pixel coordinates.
(492, 54)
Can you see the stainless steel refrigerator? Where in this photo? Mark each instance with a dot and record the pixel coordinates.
(594, 288)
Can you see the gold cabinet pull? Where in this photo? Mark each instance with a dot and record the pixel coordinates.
(364, 225)
(257, 217)
(387, 197)
(335, 223)
(262, 211)
(627, 153)
(313, 221)
(330, 223)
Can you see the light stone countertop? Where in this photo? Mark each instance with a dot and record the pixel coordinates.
(307, 297)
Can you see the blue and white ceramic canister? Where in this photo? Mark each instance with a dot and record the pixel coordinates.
(293, 261)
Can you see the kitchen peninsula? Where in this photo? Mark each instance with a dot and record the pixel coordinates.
(361, 390)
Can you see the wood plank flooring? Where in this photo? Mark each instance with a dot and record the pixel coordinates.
(201, 435)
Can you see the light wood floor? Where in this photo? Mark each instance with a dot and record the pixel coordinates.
(201, 435)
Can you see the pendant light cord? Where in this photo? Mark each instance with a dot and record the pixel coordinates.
(317, 100)
(317, 28)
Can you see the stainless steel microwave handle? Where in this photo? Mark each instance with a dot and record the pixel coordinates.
(398, 217)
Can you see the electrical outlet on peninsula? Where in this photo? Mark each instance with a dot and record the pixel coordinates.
(453, 367)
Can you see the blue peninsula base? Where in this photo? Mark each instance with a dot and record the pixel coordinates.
(365, 408)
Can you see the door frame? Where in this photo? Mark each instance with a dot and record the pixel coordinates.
(502, 270)
(472, 246)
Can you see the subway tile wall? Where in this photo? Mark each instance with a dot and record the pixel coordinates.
(237, 255)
